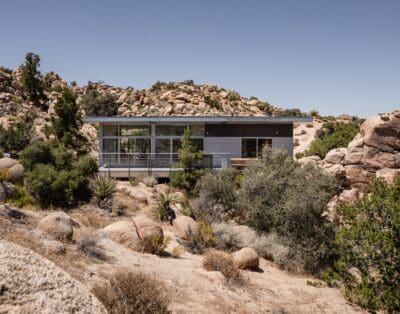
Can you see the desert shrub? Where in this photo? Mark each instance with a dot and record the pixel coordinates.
(332, 135)
(37, 153)
(217, 195)
(88, 246)
(207, 234)
(54, 177)
(20, 198)
(51, 187)
(3, 175)
(31, 79)
(309, 125)
(163, 203)
(87, 165)
(1, 153)
(314, 113)
(177, 251)
(99, 104)
(133, 292)
(149, 181)
(102, 187)
(16, 137)
(279, 195)
(223, 262)
(368, 242)
(190, 159)
(212, 102)
(294, 112)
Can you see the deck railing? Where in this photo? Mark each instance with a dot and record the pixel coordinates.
(158, 160)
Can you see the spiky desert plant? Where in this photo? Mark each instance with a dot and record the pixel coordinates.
(163, 203)
(102, 187)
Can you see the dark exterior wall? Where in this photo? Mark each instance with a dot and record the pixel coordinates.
(248, 130)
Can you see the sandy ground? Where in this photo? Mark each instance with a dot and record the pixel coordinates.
(306, 138)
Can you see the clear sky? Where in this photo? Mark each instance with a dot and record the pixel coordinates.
(336, 56)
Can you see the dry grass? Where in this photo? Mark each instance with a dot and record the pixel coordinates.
(133, 292)
(177, 251)
(223, 262)
(90, 219)
(88, 246)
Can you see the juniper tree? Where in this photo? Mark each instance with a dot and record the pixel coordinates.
(31, 79)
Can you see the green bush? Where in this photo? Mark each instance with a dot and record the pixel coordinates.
(20, 197)
(54, 177)
(217, 195)
(46, 153)
(16, 137)
(291, 113)
(212, 102)
(279, 195)
(332, 135)
(98, 104)
(368, 244)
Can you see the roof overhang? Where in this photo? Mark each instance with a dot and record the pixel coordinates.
(197, 119)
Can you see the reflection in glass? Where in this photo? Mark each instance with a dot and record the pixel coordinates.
(135, 130)
(110, 130)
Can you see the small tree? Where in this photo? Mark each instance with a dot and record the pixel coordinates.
(190, 159)
(16, 137)
(66, 125)
(31, 79)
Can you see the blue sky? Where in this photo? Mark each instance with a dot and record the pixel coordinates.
(339, 56)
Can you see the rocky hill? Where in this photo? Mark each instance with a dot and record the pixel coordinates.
(162, 99)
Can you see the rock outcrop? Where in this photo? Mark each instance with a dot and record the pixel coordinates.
(374, 151)
(31, 284)
(150, 234)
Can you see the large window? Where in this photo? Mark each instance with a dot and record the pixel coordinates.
(177, 130)
(135, 130)
(110, 130)
(110, 145)
(135, 146)
(252, 147)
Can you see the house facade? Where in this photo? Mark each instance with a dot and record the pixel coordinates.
(134, 146)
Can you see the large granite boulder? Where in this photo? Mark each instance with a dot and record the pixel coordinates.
(57, 225)
(123, 232)
(186, 227)
(150, 234)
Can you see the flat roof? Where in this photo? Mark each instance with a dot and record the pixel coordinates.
(196, 119)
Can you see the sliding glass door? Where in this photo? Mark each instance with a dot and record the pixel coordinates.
(252, 147)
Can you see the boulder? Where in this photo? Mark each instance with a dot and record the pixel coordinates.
(6, 163)
(186, 227)
(150, 233)
(388, 174)
(122, 232)
(358, 176)
(15, 174)
(349, 196)
(313, 160)
(246, 258)
(381, 160)
(336, 170)
(335, 156)
(32, 284)
(383, 134)
(57, 225)
(354, 156)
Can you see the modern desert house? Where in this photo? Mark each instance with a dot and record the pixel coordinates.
(135, 146)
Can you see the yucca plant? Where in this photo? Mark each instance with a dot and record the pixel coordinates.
(163, 203)
(102, 187)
